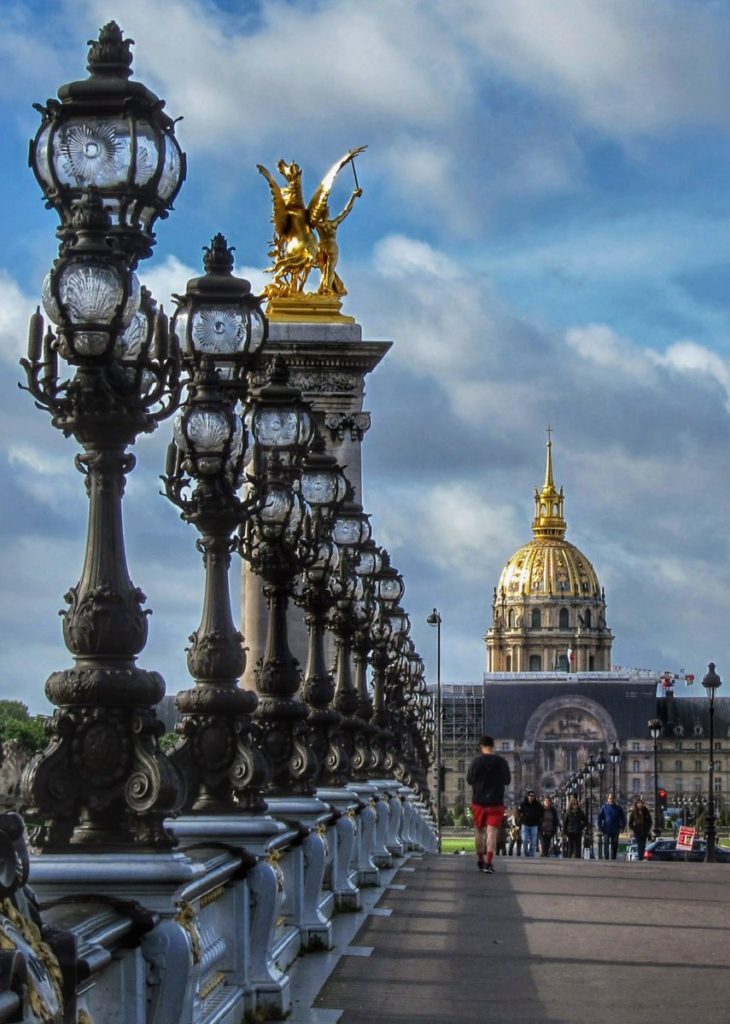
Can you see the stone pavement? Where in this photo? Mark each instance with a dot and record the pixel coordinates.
(544, 941)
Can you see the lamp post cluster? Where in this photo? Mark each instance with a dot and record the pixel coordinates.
(580, 785)
(246, 468)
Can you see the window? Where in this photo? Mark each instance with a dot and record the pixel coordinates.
(562, 665)
(636, 746)
(636, 766)
(588, 618)
(511, 618)
(698, 766)
(460, 766)
(698, 746)
(591, 663)
(536, 618)
(718, 785)
(718, 745)
(636, 785)
(570, 761)
(535, 663)
(678, 746)
(460, 785)
(678, 766)
(505, 745)
(508, 663)
(564, 622)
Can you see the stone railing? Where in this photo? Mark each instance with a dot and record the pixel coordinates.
(209, 932)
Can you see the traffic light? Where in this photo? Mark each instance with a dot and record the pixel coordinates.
(662, 794)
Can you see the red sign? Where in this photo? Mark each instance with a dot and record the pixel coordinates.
(685, 837)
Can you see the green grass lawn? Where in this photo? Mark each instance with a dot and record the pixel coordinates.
(453, 844)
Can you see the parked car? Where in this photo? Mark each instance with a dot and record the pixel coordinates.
(666, 849)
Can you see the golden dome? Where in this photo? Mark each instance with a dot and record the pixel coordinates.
(549, 565)
(548, 610)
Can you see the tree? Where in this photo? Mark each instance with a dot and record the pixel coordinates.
(17, 724)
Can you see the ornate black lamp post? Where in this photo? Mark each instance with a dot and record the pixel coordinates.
(277, 541)
(108, 162)
(434, 619)
(323, 487)
(350, 613)
(396, 671)
(591, 770)
(711, 683)
(221, 328)
(655, 730)
(388, 590)
(614, 756)
(600, 768)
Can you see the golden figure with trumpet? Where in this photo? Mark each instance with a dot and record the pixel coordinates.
(305, 238)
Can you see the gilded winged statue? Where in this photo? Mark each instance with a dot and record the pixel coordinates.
(305, 237)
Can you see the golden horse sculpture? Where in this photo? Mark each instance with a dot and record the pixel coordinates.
(306, 236)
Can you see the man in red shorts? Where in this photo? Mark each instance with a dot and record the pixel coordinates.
(488, 775)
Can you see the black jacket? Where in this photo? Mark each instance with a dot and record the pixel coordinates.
(531, 813)
(488, 775)
(574, 822)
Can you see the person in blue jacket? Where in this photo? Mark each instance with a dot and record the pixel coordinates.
(611, 822)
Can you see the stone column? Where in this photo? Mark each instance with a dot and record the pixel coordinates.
(328, 362)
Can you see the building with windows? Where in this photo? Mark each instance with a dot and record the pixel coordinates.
(548, 608)
(552, 700)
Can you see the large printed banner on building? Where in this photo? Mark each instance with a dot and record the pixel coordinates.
(685, 837)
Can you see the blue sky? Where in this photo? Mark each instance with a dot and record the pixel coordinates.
(544, 235)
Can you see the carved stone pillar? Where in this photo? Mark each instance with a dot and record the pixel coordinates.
(328, 362)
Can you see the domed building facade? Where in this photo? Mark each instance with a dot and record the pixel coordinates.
(549, 609)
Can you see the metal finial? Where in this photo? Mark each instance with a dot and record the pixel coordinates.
(218, 257)
(111, 54)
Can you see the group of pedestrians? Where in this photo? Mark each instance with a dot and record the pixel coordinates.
(534, 826)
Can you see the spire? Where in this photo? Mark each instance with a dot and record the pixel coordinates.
(549, 521)
(549, 486)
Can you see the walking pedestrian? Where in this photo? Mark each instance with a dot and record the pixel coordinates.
(549, 826)
(611, 822)
(488, 775)
(640, 824)
(515, 834)
(502, 838)
(574, 822)
(531, 813)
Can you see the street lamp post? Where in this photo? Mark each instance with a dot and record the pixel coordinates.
(601, 767)
(711, 682)
(108, 162)
(591, 767)
(614, 756)
(655, 731)
(434, 619)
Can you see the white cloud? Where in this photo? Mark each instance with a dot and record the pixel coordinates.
(625, 67)
(15, 311)
(688, 358)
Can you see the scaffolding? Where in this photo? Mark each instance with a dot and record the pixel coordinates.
(462, 725)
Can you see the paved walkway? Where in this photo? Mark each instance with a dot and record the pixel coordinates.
(540, 941)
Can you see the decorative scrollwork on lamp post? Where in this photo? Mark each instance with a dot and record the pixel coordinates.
(108, 162)
(221, 328)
